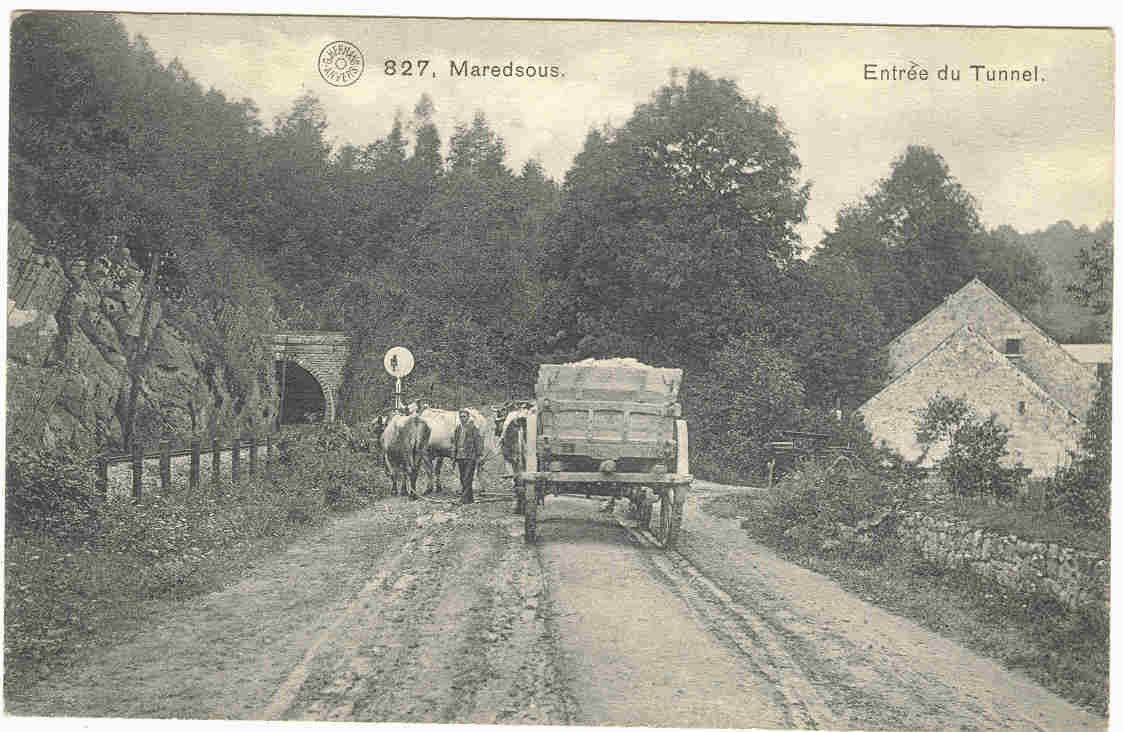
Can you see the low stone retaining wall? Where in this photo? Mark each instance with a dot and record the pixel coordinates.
(1074, 578)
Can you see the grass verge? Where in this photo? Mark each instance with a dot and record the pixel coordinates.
(82, 585)
(1066, 653)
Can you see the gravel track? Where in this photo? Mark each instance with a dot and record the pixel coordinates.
(427, 611)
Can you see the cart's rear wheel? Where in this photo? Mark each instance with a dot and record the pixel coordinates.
(530, 507)
(671, 500)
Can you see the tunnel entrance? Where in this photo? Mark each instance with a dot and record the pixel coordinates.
(302, 398)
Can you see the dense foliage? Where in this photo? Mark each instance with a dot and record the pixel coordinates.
(673, 239)
(47, 492)
(1057, 248)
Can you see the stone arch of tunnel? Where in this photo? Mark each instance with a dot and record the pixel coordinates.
(317, 358)
(303, 398)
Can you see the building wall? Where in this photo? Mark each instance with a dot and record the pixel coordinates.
(1054, 369)
(965, 365)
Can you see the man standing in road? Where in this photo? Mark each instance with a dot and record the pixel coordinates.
(467, 448)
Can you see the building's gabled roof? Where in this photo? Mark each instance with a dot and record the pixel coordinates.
(999, 359)
(1089, 352)
(977, 284)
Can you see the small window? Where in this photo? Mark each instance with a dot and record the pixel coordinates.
(1021, 407)
(1014, 347)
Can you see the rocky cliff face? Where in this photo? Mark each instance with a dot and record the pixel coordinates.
(69, 329)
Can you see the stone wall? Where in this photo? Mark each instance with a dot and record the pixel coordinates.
(1076, 579)
(66, 367)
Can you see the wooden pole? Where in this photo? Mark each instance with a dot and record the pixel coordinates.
(138, 469)
(103, 477)
(193, 475)
(235, 460)
(268, 452)
(165, 465)
(253, 454)
(216, 465)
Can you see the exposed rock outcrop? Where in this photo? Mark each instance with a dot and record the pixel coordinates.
(69, 331)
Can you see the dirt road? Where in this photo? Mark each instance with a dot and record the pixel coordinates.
(426, 612)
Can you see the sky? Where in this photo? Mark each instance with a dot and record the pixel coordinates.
(1030, 152)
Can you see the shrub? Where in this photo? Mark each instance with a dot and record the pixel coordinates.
(817, 509)
(976, 447)
(326, 466)
(1083, 490)
(331, 436)
(49, 491)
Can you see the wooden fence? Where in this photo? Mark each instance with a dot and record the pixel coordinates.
(195, 450)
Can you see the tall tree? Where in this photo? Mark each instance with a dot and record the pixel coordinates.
(672, 227)
(1094, 289)
(303, 239)
(832, 329)
(1011, 269)
(425, 164)
(477, 149)
(911, 236)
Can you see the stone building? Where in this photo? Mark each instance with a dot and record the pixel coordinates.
(975, 345)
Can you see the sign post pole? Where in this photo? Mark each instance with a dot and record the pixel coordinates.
(398, 363)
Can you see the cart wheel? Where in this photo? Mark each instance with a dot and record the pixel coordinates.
(647, 500)
(530, 506)
(671, 501)
(666, 511)
(676, 517)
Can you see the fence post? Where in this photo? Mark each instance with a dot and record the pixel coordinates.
(235, 459)
(138, 469)
(193, 475)
(216, 466)
(165, 465)
(253, 453)
(103, 477)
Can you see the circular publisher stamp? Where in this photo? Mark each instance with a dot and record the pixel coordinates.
(340, 63)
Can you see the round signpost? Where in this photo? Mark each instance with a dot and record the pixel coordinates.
(398, 363)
